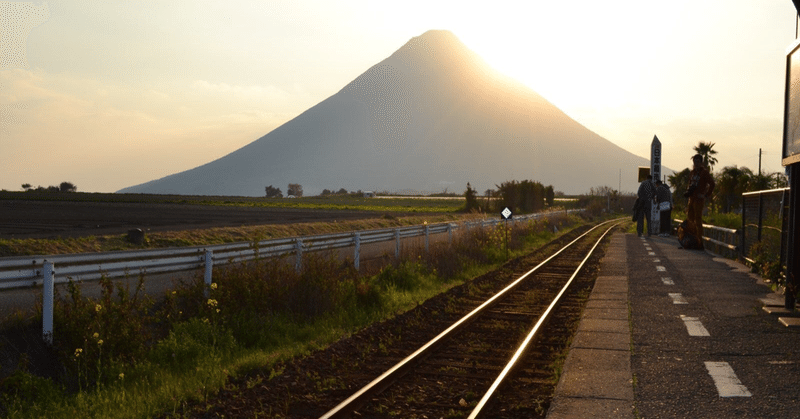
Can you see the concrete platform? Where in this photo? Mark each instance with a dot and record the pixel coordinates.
(637, 354)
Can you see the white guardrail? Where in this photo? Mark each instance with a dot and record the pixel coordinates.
(27, 271)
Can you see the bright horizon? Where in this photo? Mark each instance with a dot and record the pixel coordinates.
(112, 94)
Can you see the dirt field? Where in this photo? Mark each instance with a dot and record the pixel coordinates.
(51, 219)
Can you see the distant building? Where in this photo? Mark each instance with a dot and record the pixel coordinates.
(369, 194)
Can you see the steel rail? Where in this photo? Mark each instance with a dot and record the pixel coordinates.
(377, 385)
(528, 339)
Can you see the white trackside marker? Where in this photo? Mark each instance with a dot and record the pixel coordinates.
(678, 298)
(728, 385)
(661, 269)
(667, 281)
(694, 327)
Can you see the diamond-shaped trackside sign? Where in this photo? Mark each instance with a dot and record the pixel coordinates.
(506, 213)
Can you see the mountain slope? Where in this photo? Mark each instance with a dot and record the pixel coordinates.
(431, 116)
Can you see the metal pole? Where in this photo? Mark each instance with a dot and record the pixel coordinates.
(506, 228)
(47, 302)
(760, 215)
(742, 250)
(793, 241)
(209, 264)
(357, 255)
(298, 261)
(397, 244)
(426, 238)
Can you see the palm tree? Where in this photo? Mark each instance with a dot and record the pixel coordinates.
(706, 150)
(732, 181)
(680, 183)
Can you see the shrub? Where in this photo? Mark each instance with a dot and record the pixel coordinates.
(767, 262)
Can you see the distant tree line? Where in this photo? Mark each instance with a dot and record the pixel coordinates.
(732, 182)
(294, 189)
(63, 187)
(326, 192)
(523, 197)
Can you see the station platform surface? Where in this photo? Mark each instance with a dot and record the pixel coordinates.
(675, 333)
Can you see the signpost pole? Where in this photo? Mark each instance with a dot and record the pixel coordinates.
(506, 215)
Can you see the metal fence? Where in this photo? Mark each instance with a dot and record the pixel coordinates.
(722, 241)
(765, 219)
(26, 271)
(41, 270)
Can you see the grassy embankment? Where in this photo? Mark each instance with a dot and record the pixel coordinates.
(124, 356)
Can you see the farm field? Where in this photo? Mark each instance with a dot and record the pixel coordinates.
(51, 223)
(43, 215)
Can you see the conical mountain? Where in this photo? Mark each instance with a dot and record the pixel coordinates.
(430, 117)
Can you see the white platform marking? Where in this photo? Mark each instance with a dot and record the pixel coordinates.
(694, 327)
(678, 298)
(728, 385)
(667, 281)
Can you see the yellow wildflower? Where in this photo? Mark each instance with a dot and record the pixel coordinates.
(98, 307)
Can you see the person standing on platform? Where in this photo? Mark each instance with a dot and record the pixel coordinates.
(701, 185)
(646, 197)
(664, 199)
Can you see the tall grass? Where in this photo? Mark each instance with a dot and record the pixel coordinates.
(123, 355)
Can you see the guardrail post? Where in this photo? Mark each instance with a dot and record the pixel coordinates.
(298, 261)
(426, 238)
(209, 264)
(450, 233)
(47, 302)
(760, 215)
(397, 244)
(743, 249)
(357, 255)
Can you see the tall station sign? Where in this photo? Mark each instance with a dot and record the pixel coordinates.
(655, 170)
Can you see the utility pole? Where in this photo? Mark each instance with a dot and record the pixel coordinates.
(759, 162)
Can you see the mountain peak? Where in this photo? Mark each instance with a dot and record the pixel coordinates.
(432, 116)
(439, 44)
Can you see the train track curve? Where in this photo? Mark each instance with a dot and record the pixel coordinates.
(488, 358)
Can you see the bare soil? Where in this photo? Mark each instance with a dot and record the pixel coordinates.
(22, 219)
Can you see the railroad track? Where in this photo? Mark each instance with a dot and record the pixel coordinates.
(497, 360)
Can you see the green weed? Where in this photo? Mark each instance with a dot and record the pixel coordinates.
(124, 356)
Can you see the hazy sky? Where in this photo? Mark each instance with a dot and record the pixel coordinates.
(109, 94)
